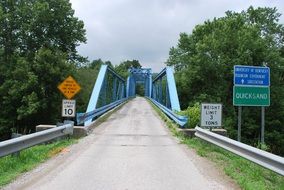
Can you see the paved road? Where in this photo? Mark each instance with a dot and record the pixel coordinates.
(131, 150)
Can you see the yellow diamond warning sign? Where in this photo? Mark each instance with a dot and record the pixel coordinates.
(69, 87)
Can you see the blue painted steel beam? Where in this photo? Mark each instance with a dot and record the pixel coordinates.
(160, 90)
(132, 86)
(160, 75)
(83, 117)
(96, 92)
(104, 91)
(128, 87)
(101, 90)
(172, 89)
(150, 85)
(146, 86)
(115, 74)
(138, 76)
(114, 89)
(122, 91)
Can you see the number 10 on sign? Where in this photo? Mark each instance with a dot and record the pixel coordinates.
(68, 108)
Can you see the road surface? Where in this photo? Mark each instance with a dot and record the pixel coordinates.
(132, 150)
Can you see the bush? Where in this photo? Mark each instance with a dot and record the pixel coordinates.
(193, 114)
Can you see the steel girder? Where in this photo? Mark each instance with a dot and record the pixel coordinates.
(164, 89)
(164, 95)
(109, 91)
(139, 75)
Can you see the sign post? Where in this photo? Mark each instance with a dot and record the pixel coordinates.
(251, 89)
(262, 125)
(211, 115)
(69, 88)
(239, 123)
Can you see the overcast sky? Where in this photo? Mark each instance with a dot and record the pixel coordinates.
(119, 30)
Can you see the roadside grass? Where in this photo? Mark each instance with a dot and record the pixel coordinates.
(248, 175)
(13, 166)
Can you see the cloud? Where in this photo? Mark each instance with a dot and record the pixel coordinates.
(118, 30)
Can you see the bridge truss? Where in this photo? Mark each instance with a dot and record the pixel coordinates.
(110, 90)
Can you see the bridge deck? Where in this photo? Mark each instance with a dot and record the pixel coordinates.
(131, 150)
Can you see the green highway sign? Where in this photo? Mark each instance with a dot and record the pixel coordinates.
(251, 96)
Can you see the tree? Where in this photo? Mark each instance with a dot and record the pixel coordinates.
(36, 52)
(27, 28)
(122, 69)
(124, 66)
(204, 63)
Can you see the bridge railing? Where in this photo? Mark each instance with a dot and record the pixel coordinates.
(180, 120)
(109, 91)
(17, 144)
(82, 117)
(263, 158)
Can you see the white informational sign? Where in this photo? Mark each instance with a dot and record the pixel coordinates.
(68, 108)
(211, 115)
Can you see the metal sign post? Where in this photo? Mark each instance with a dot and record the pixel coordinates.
(239, 123)
(262, 125)
(251, 89)
(69, 88)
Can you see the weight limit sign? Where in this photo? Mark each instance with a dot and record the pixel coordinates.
(211, 115)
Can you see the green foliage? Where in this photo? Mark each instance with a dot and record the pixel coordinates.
(96, 64)
(36, 53)
(26, 27)
(122, 68)
(263, 146)
(193, 113)
(28, 95)
(13, 166)
(204, 63)
(140, 89)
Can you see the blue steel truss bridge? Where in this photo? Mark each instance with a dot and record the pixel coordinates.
(111, 90)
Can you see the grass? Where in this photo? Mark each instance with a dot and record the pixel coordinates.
(247, 174)
(13, 166)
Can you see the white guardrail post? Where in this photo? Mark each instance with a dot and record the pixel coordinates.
(263, 158)
(14, 145)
